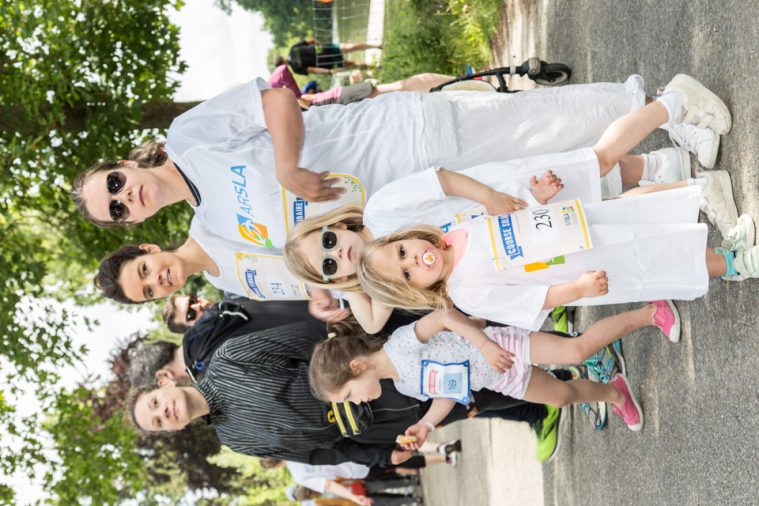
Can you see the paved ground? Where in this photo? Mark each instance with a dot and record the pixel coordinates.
(700, 443)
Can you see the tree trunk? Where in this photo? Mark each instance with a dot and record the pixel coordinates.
(155, 115)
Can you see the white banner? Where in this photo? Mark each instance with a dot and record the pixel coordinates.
(297, 209)
(265, 277)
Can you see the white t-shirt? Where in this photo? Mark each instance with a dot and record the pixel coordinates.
(419, 198)
(650, 246)
(223, 147)
(316, 477)
(244, 271)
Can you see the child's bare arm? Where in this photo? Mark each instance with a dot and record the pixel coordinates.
(372, 315)
(455, 321)
(495, 202)
(545, 188)
(590, 284)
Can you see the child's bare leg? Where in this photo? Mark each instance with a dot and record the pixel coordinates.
(550, 349)
(631, 169)
(436, 458)
(715, 263)
(653, 188)
(545, 389)
(626, 132)
(420, 82)
(347, 47)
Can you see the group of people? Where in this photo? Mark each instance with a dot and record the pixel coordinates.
(450, 223)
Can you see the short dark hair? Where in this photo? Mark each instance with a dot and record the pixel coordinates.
(280, 60)
(107, 278)
(146, 359)
(169, 312)
(131, 404)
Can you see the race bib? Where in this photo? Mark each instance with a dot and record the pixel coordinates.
(466, 215)
(265, 277)
(535, 235)
(447, 381)
(296, 209)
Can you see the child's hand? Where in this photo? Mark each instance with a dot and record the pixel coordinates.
(545, 188)
(593, 284)
(498, 358)
(502, 203)
(418, 430)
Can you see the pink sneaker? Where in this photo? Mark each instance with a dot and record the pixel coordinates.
(667, 318)
(630, 411)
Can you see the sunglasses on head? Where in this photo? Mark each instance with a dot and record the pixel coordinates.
(115, 182)
(329, 263)
(191, 313)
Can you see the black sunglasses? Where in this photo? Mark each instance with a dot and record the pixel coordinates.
(329, 263)
(191, 313)
(115, 182)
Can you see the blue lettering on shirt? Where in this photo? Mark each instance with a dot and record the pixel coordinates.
(250, 280)
(299, 209)
(513, 250)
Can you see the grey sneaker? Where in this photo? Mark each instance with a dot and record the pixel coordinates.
(717, 201)
(672, 165)
(702, 107)
(742, 235)
(702, 142)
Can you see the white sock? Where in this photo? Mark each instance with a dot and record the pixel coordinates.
(650, 166)
(673, 101)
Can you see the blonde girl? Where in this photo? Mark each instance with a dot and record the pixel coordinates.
(447, 345)
(323, 251)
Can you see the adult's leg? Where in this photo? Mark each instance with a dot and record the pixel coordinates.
(347, 47)
(420, 82)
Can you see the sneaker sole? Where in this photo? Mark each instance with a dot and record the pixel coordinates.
(559, 421)
(637, 427)
(686, 82)
(727, 193)
(674, 332)
(712, 160)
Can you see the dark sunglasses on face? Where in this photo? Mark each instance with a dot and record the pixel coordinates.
(329, 263)
(115, 182)
(191, 313)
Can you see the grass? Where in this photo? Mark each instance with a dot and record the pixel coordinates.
(437, 36)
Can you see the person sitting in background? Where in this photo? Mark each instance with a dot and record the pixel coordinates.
(281, 77)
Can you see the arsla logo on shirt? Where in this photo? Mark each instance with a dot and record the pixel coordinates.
(249, 229)
(254, 232)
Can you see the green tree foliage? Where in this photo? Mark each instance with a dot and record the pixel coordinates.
(80, 81)
(284, 19)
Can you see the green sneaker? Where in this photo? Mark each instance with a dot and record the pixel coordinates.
(596, 412)
(549, 435)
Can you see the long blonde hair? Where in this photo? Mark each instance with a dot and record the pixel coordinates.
(398, 293)
(352, 216)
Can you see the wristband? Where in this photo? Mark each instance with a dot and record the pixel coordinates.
(429, 425)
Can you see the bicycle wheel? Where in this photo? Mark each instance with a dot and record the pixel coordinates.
(552, 74)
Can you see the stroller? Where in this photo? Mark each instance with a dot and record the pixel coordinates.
(546, 74)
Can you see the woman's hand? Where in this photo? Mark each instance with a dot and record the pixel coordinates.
(309, 185)
(323, 306)
(545, 188)
(362, 500)
(501, 203)
(498, 358)
(400, 456)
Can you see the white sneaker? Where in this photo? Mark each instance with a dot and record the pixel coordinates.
(702, 107)
(717, 201)
(742, 235)
(672, 164)
(746, 263)
(702, 142)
